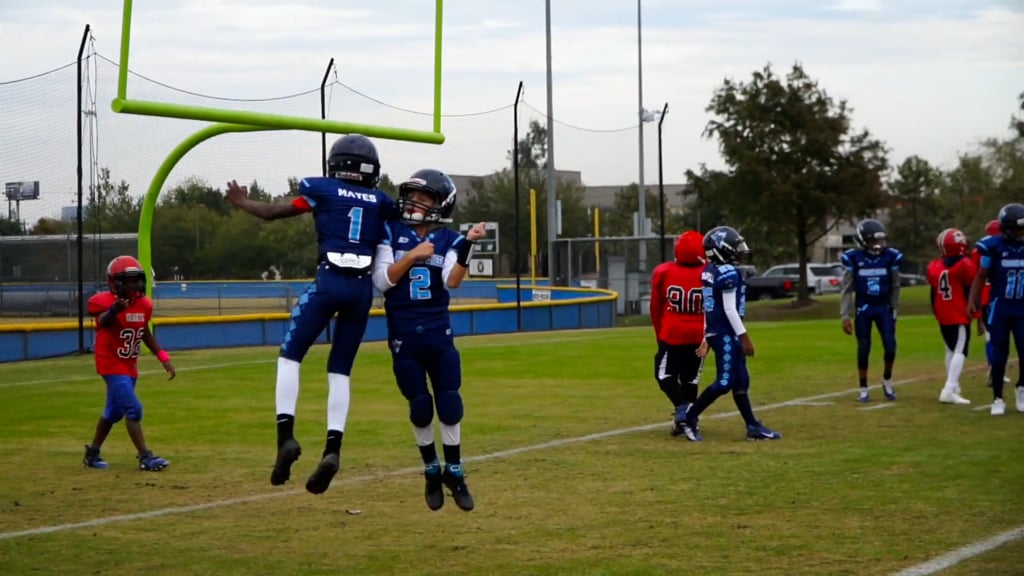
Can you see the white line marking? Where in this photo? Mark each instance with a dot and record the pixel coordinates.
(876, 407)
(814, 404)
(960, 554)
(980, 408)
(357, 479)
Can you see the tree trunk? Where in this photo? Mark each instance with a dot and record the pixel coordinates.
(803, 291)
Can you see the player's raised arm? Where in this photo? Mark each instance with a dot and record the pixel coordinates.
(239, 196)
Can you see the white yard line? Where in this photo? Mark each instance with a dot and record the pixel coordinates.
(391, 473)
(877, 407)
(925, 569)
(957, 556)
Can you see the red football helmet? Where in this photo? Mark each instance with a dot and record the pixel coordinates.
(992, 228)
(689, 248)
(951, 242)
(126, 278)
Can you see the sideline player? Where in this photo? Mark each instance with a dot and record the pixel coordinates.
(950, 277)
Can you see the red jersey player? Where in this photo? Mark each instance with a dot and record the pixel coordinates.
(677, 313)
(950, 277)
(122, 325)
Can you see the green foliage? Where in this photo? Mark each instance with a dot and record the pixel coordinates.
(795, 165)
(493, 199)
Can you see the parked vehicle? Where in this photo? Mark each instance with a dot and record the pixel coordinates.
(912, 280)
(771, 287)
(821, 278)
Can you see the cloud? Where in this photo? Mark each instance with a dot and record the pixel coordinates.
(929, 78)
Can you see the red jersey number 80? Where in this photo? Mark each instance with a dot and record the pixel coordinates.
(684, 301)
(131, 343)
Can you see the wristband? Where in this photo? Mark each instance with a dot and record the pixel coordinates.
(462, 252)
(163, 356)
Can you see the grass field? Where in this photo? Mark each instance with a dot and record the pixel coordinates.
(569, 459)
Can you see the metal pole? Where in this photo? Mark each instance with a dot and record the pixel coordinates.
(642, 199)
(515, 174)
(323, 116)
(78, 216)
(661, 186)
(550, 167)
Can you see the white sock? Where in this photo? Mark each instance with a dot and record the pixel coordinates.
(956, 367)
(287, 388)
(949, 356)
(424, 436)
(451, 435)
(338, 399)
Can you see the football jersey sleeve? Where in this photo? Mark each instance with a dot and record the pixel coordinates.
(100, 303)
(657, 298)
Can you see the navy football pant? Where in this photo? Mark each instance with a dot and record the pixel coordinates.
(881, 317)
(333, 292)
(431, 354)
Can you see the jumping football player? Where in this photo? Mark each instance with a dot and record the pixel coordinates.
(349, 214)
(417, 264)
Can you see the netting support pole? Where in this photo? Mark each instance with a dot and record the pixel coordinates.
(149, 201)
(78, 217)
(323, 116)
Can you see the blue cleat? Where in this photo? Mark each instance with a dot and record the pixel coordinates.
(455, 480)
(149, 462)
(864, 397)
(433, 492)
(93, 459)
(761, 432)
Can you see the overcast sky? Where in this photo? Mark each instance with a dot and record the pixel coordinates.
(929, 77)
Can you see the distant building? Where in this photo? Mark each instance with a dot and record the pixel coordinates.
(601, 196)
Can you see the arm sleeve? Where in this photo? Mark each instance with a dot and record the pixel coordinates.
(729, 305)
(382, 261)
(450, 259)
(846, 289)
(894, 294)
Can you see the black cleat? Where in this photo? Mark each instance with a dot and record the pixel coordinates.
(320, 480)
(456, 482)
(434, 492)
(287, 454)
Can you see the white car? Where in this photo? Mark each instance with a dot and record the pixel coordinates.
(821, 278)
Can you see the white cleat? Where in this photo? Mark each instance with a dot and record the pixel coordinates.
(998, 407)
(948, 396)
(1020, 398)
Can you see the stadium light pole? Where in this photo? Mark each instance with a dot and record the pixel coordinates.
(552, 201)
(661, 185)
(643, 115)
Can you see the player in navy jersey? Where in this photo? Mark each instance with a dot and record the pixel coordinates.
(416, 265)
(1002, 263)
(349, 215)
(871, 291)
(724, 332)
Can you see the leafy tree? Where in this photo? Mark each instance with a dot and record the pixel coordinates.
(9, 227)
(111, 207)
(46, 226)
(492, 199)
(194, 191)
(796, 166)
(916, 216)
